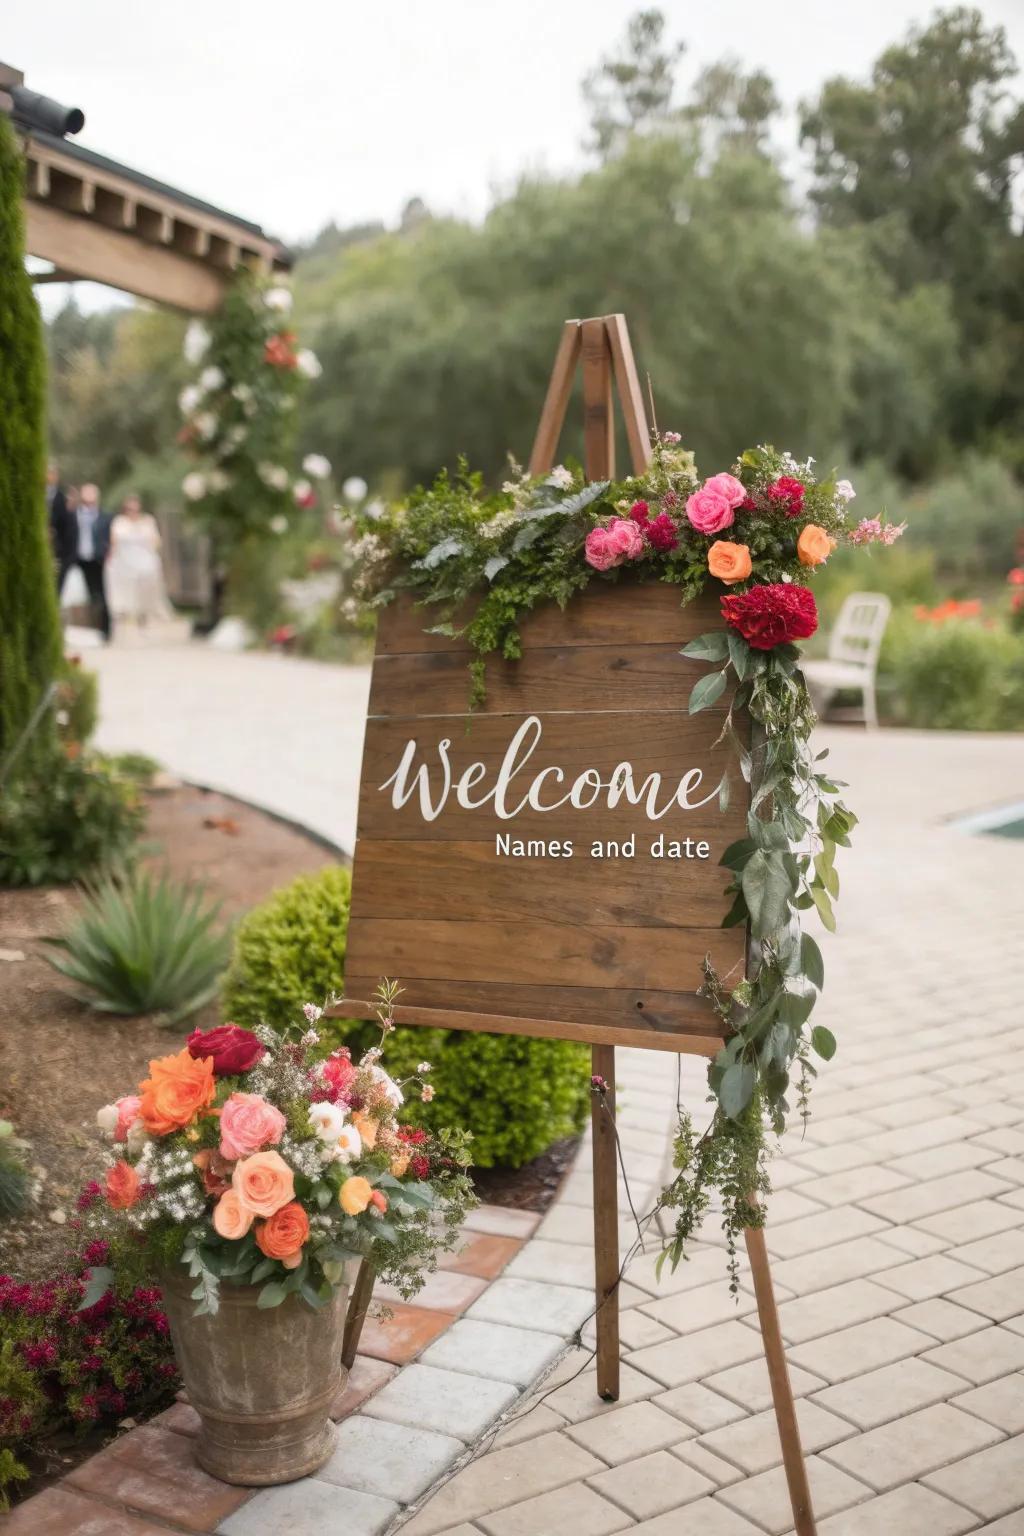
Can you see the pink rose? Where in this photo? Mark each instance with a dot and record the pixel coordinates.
(728, 486)
(128, 1110)
(247, 1123)
(709, 511)
(598, 550)
(625, 538)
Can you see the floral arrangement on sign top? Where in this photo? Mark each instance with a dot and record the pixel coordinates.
(258, 1159)
(239, 414)
(484, 560)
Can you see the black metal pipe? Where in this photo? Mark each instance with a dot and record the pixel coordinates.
(33, 110)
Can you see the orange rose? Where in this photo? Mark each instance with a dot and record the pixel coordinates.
(283, 1234)
(379, 1201)
(367, 1128)
(176, 1089)
(122, 1186)
(230, 1217)
(399, 1165)
(814, 546)
(355, 1195)
(729, 562)
(263, 1183)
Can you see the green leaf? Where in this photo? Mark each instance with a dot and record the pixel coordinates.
(740, 654)
(811, 963)
(713, 646)
(767, 889)
(273, 1294)
(724, 794)
(824, 906)
(738, 1084)
(495, 564)
(737, 854)
(797, 1003)
(737, 913)
(706, 691)
(826, 874)
(767, 834)
(823, 1041)
(98, 1281)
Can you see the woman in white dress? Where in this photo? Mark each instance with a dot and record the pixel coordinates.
(135, 576)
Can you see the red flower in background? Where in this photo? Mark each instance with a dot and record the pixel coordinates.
(279, 350)
(788, 492)
(772, 615)
(231, 1048)
(639, 512)
(1016, 576)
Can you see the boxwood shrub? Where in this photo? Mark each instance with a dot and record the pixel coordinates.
(516, 1095)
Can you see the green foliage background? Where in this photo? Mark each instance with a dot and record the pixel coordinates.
(30, 645)
(516, 1096)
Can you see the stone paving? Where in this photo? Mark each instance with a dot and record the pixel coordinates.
(895, 1229)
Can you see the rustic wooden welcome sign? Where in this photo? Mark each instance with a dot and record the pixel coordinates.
(549, 863)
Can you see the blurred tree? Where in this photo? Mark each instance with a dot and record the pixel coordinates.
(30, 644)
(732, 108)
(632, 90)
(927, 154)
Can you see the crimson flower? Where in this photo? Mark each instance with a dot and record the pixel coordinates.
(232, 1048)
(771, 615)
(661, 533)
(789, 492)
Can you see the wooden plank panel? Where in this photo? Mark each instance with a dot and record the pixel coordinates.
(688, 1039)
(654, 743)
(531, 953)
(556, 402)
(625, 1016)
(645, 613)
(576, 677)
(457, 882)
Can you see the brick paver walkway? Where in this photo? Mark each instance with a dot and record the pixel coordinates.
(895, 1228)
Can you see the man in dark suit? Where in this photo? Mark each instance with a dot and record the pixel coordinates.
(63, 526)
(93, 546)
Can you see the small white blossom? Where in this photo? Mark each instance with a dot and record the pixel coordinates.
(197, 339)
(316, 465)
(355, 488)
(308, 364)
(206, 425)
(348, 1145)
(218, 480)
(560, 478)
(312, 1012)
(374, 510)
(194, 486)
(423, 1067)
(496, 525)
(273, 475)
(302, 490)
(242, 392)
(350, 609)
(107, 1118)
(328, 1120)
(212, 377)
(845, 491)
(279, 523)
(394, 1094)
(278, 298)
(189, 399)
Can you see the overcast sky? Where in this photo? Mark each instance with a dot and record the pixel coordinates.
(296, 112)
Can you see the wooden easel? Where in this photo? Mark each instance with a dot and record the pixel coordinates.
(604, 346)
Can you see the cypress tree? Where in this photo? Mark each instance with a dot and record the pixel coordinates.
(30, 638)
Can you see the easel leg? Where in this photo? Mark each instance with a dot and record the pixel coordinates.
(358, 1306)
(782, 1391)
(606, 1224)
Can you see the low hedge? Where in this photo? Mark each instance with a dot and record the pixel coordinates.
(516, 1095)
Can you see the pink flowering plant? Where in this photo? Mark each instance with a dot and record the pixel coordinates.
(259, 1158)
(754, 534)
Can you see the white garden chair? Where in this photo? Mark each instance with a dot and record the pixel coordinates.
(852, 654)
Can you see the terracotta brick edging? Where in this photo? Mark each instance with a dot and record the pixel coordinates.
(428, 1383)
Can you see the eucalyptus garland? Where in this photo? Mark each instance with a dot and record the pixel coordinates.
(479, 561)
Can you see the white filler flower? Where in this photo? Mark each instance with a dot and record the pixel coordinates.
(197, 339)
(355, 488)
(278, 298)
(308, 364)
(194, 486)
(316, 465)
(212, 377)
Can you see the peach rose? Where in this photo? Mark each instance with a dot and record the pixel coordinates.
(379, 1201)
(729, 562)
(263, 1183)
(283, 1234)
(399, 1165)
(176, 1089)
(355, 1195)
(367, 1128)
(122, 1186)
(814, 546)
(247, 1123)
(230, 1217)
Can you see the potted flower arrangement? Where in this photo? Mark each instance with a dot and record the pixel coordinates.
(245, 1174)
(742, 545)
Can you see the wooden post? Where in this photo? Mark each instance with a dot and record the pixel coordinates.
(782, 1389)
(358, 1306)
(606, 1223)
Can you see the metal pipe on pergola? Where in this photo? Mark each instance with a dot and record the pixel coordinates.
(99, 221)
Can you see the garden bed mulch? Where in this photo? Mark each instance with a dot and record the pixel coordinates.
(58, 1060)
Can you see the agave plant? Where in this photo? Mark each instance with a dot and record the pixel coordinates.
(145, 944)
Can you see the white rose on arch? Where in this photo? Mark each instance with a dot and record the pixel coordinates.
(317, 466)
(273, 475)
(206, 425)
(278, 298)
(197, 339)
(279, 523)
(355, 488)
(189, 399)
(194, 486)
(212, 377)
(308, 364)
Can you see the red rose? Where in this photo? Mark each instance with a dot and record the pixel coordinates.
(231, 1048)
(789, 492)
(771, 615)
